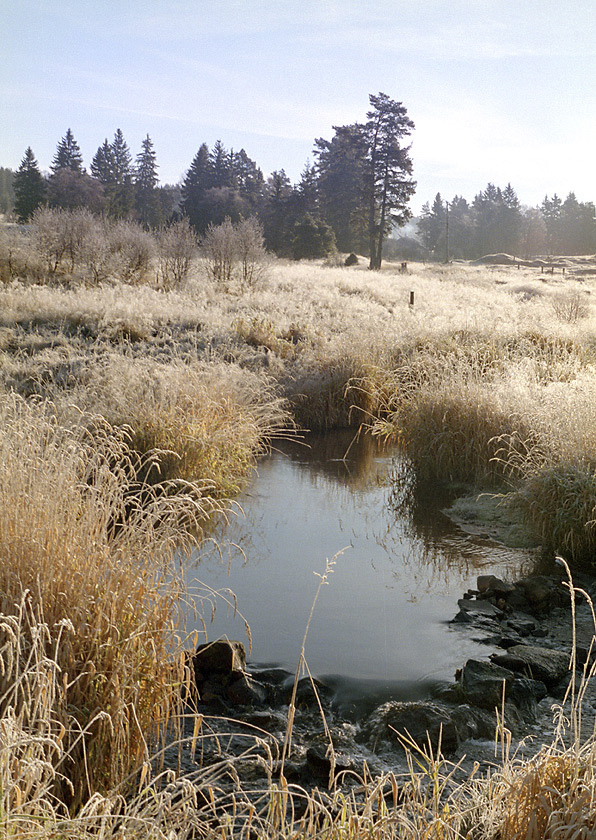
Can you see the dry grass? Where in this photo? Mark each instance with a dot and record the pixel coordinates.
(87, 555)
(489, 378)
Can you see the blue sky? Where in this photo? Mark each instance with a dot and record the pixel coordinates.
(499, 90)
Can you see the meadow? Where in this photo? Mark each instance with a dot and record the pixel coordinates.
(133, 407)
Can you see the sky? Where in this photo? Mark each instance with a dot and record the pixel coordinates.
(499, 90)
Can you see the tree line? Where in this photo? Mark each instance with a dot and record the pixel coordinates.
(351, 196)
(495, 222)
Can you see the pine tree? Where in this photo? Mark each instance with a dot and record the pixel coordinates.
(387, 183)
(248, 179)
(275, 213)
(102, 165)
(340, 175)
(146, 181)
(120, 192)
(68, 155)
(6, 190)
(220, 166)
(29, 187)
(194, 189)
(431, 226)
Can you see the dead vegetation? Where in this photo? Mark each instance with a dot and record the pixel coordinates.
(137, 387)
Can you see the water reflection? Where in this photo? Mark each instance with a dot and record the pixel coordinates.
(384, 617)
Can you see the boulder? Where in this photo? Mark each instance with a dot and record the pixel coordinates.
(537, 663)
(490, 583)
(526, 693)
(244, 691)
(220, 657)
(471, 722)
(542, 593)
(484, 608)
(424, 723)
(318, 762)
(482, 683)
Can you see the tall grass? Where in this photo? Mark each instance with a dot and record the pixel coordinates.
(87, 573)
(209, 421)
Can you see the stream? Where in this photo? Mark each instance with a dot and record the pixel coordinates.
(382, 622)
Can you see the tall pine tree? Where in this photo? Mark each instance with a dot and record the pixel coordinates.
(68, 155)
(146, 180)
(29, 187)
(388, 167)
(194, 189)
(102, 165)
(120, 193)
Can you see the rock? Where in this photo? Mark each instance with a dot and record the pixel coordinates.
(526, 694)
(421, 721)
(522, 624)
(480, 608)
(471, 722)
(482, 683)
(268, 720)
(305, 693)
(244, 691)
(538, 663)
(490, 583)
(541, 593)
(221, 657)
(351, 259)
(319, 764)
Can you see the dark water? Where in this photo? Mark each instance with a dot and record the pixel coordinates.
(399, 567)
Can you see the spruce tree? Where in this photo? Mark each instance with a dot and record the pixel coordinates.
(340, 174)
(221, 174)
(29, 187)
(68, 155)
(102, 165)
(194, 189)
(120, 193)
(146, 181)
(6, 190)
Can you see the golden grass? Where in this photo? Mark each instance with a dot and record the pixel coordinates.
(87, 554)
(489, 378)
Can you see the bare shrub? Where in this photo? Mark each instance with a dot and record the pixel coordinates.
(570, 306)
(220, 252)
(95, 250)
(63, 238)
(235, 253)
(250, 252)
(50, 236)
(132, 249)
(18, 260)
(177, 245)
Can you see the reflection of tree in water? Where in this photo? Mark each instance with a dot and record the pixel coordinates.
(346, 457)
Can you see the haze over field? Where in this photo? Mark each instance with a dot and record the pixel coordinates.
(499, 91)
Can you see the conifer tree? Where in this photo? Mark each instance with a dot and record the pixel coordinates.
(146, 181)
(120, 192)
(68, 154)
(29, 187)
(102, 165)
(6, 190)
(340, 173)
(387, 182)
(194, 189)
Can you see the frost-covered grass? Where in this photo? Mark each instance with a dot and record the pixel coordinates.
(487, 378)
